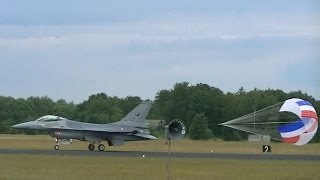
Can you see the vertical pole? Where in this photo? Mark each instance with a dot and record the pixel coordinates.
(169, 158)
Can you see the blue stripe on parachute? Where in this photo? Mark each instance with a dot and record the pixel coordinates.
(290, 127)
(302, 103)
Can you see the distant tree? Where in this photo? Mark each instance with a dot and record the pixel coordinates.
(199, 127)
(64, 109)
(128, 103)
(191, 103)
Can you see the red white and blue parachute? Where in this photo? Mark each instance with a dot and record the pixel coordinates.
(301, 131)
(272, 121)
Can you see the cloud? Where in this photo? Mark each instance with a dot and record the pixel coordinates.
(142, 57)
(158, 31)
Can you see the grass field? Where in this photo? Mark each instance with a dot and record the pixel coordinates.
(40, 167)
(26, 167)
(47, 142)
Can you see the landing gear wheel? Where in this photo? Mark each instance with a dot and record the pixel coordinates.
(56, 147)
(91, 147)
(101, 147)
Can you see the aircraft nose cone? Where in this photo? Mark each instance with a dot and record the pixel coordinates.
(15, 126)
(22, 125)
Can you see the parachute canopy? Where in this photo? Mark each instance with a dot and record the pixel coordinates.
(279, 125)
(303, 130)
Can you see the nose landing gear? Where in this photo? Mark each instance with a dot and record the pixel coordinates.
(56, 147)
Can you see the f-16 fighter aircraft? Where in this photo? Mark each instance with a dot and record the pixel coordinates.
(130, 128)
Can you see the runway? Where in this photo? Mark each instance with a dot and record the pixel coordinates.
(280, 157)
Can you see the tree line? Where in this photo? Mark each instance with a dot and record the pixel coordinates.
(201, 107)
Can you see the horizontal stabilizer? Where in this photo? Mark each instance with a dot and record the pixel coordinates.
(147, 136)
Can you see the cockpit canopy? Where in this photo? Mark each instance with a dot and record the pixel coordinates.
(49, 118)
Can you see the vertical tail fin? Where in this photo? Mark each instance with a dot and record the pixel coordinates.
(137, 115)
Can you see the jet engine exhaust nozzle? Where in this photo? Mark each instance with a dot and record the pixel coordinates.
(175, 130)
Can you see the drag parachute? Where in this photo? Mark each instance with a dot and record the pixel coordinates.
(301, 131)
(280, 122)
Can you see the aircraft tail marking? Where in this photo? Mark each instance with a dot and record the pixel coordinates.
(137, 115)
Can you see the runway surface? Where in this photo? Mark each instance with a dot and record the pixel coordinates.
(161, 154)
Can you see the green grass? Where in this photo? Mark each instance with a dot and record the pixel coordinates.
(187, 145)
(28, 167)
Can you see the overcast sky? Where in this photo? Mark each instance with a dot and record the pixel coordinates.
(72, 49)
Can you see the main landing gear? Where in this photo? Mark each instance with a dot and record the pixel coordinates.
(91, 147)
(101, 147)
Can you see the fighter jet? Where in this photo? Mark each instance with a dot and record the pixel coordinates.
(130, 128)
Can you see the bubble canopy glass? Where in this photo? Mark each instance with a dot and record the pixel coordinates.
(49, 118)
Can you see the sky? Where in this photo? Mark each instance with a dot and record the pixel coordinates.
(73, 49)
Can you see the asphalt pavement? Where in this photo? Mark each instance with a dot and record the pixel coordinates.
(142, 154)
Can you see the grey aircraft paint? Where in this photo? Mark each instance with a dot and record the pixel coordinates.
(130, 128)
